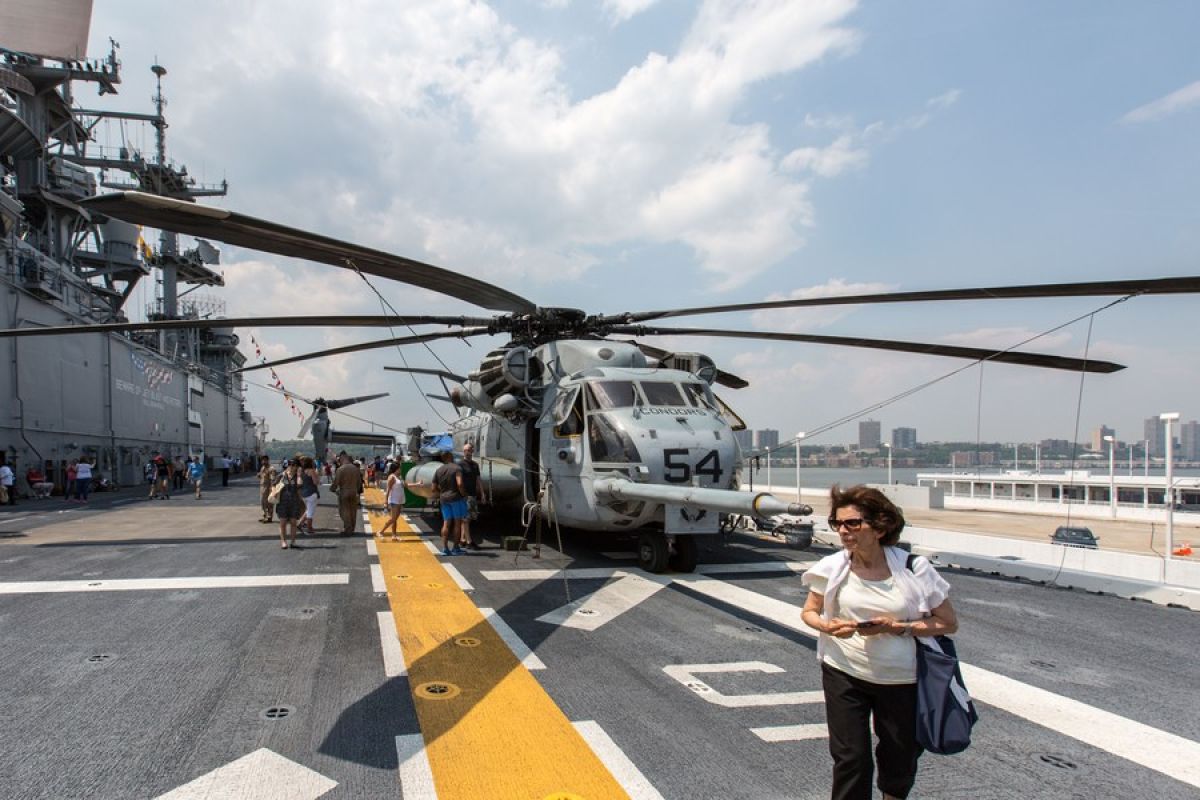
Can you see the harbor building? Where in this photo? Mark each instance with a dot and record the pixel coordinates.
(904, 438)
(1098, 444)
(766, 439)
(1156, 437)
(1089, 494)
(868, 434)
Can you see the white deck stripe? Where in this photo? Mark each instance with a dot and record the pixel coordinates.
(613, 757)
(792, 733)
(372, 548)
(528, 658)
(458, 578)
(686, 674)
(377, 583)
(756, 566)
(433, 548)
(389, 640)
(367, 525)
(1160, 751)
(261, 775)
(547, 574)
(1173, 756)
(605, 604)
(147, 584)
(416, 777)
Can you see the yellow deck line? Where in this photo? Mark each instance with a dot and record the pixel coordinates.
(495, 733)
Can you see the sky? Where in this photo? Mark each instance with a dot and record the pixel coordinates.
(624, 155)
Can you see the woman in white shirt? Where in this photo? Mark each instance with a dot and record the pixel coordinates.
(867, 605)
(395, 501)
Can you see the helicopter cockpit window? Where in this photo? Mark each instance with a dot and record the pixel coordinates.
(611, 394)
(700, 395)
(609, 443)
(567, 413)
(662, 394)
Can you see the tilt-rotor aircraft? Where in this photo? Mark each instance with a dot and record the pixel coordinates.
(592, 431)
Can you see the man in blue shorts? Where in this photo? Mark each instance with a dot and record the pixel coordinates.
(448, 480)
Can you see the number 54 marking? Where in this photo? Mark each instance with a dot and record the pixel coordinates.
(678, 469)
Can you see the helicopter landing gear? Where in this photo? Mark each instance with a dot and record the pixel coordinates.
(653, 552)
(685, 554)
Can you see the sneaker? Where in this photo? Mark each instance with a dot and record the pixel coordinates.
(473, 546)
(446, 551)
(457, 551)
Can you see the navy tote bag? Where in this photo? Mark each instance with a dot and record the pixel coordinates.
(945, 713)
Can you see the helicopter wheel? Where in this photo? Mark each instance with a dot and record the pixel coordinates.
(686, 554)
(653, 552)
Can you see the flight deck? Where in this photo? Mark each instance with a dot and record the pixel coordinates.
(172, 649)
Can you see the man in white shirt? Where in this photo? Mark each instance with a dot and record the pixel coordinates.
(7, 480)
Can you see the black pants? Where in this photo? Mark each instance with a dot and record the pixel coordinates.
(850, 704)
(224, 476)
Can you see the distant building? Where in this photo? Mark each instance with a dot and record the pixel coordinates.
(972, 458)
(1055, 446)
(1098, 443)
(1189, 441)
(767, 438)
(745, 439)
(1156, 435)
(904, 438)
(868, 434)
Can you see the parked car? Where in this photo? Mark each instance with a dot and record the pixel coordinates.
(1069, 536)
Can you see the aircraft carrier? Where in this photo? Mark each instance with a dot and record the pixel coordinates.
(175, 651)
(114, 398)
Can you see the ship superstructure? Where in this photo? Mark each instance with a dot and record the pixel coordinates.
(117, 398)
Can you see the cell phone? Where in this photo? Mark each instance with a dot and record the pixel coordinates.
(867, 623)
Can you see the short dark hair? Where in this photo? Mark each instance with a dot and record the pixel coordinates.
(880, 513)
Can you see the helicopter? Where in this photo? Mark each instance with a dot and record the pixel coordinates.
(323, 433)
(568, 422)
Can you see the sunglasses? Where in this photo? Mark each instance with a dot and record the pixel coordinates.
(851, 524)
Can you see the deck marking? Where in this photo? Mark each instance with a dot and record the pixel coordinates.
(458, 578)
(499, 701)
(393, 655)
(433, 548)
(261, 775)
(1173, 756)
(754, 566)
(605, 604)
(150, 584)
(14, 519)
(377, 583)
(686, 674)
(416, 778)
(792, 733)
(372, 548)
(521, 650)
(602, 573)
(623, 769)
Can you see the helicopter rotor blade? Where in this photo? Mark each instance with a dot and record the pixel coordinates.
(461, 333)
(334, 405)
(365, 321)
(169, 214)
(1183, 285)
(953, 351)
(441, 373)
(308, 423)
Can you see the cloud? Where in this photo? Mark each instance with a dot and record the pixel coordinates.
(827, 162)
(622, 10)
(1173, 103)
(1003, 338)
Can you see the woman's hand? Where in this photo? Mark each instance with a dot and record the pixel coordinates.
(841, 628)
(880, 625)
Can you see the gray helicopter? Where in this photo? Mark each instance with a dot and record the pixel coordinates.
(323, 433)
(569, 423)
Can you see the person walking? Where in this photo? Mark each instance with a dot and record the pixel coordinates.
(473, 491)
(72, 474)
(8, 480)
(449, 482)
(266, 479)
(162, 477)
(867, 605)
(179, 470)
(290, 506)
(395, 501)
(310, 490)
(83, 479)
(225, 465)
(347, 484)
(195, 473)
(150, 472)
